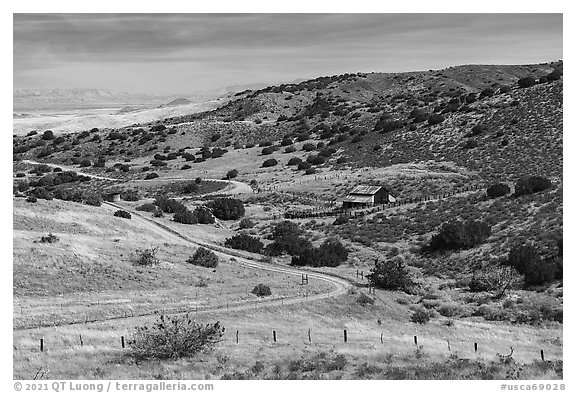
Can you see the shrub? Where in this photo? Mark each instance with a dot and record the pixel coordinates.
(85, 163)
(478, 129)
(185, 167)
(364, 299)
(456, 235)
(231, 174)
(531, 184)
(262, 290)
(294, 161)
(384, 126)
(190, 188)
(269, 162)
(290, 149)
(435, 119)
(495, 278)
(151, 175)
(242, 241)
(186, 217)
(50, 238)
(310, 171)
(147, 207)
(130, 195)
(146, 257)
(227, 208)
(204, 257)
(308, 146)
(470, 144)
(173, 337)
(48, 135)
(246, 223)
(315, 160)
(420, 316)
(168, 205)
(554, 75)
(303, 165)
(122, 214)
(392, 275)
(156, 162)
(526, 82)
(341, 220)
(32, 199)
(203, 215)
(497, 190)
(527, 261)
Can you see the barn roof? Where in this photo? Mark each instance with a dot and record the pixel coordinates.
(365, 190)
(357, 198)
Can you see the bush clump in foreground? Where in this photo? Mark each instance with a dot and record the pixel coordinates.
(420, 316)
(122, 214)
(497, 190)
(227, 208)
(496, 278)
(458, 235)
(204, 257)
(270, 162)
(146, 257)
(262, 290)
(391, 275)
(243, 241)
(174, 337)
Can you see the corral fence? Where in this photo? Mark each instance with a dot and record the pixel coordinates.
(362, 211)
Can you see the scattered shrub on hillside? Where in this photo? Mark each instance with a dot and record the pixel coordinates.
(50, 238)
(290, 149)
(48, 135)
(269, 162)
(147, 207)
(478, 129)
(231, 174)
(303, 165)
(343, 219)
(32, 199)
(151, 175)
(497, 190)
(146, 257)
(203, 215)
(243, 241)
(391, 275)
(246, 223)
(262, 290)
(130, 195)
(420, 316)
(185, 217)
(531, 184)
(528, 262)
(267, 150)
(174, 337)
(156, 162)
(554, 75)
(526, 82)
(457, 235)
(85, 163)
(122, 214)
(364, 299)
(470, 144)
(168, 205)
(315, 159)
(435, 119)
(294, 161)
(190, 188)
(308, 146)
(496, 278)
(227, 208)
(204, 257)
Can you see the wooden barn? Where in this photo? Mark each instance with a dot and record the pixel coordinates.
(364, 196)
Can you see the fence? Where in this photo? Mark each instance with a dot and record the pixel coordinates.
(343, 338)
(352, 213)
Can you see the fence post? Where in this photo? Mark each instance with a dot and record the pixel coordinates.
(381, 338)
(475, 347)
(542, 354)
(309, 336)
(448, 341)
(416, 340)
(81, 342)
(41, 345)
(274, 335)
(345, 336)
(237, 336)
(122, 339)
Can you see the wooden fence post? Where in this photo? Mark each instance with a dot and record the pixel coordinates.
(41, 345)
(81, 342)
(309, 336)
(381, 338)
(416, 340)
(448, 341)
(237, 336)
(122, 339)
(542, 354)
(274, 335)
(345, 336)
(475, 347)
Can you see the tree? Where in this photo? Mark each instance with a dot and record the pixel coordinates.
(496, 278)
(231, 174)
(227, 208)
(527, 260)
(204, 257)
(497, 190)
(186, 217)
(392, 275)
(269, 162)
(531, 184)
(455, 235)
(243, 241)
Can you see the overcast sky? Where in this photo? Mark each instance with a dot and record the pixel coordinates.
(182, 53)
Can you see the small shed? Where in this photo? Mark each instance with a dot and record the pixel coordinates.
(364, 196)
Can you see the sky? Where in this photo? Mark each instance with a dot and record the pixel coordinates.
(184, 53)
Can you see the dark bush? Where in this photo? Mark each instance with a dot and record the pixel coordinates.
(48, 135)
(246, 223)
(478, 129)
(147, 207)
(315, 160)
(185, 217)
(526, 82)
(344, 219)
(420, 316)
(146, 257)
(497, 190)
(554, 75)
(168, 205)
(227, 208)
(231, 174)
(242, 241)
(388, 125)
(122, 214)
(174, 337)
(294, 161)
(203, 215)
(310, 171)
(391, 275)
(528, 262)
(262, 290)
(435, 119)
(151, 175)
(185, 167)
(531, 184)
(188, 156)
(269, 162)
(290, 149)
(204, 257)
(50, 238)
(85, 163)
(156, 162)
(308, 146)
(190, 188)
(457, 235)
(32, 199)
(303, 165)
